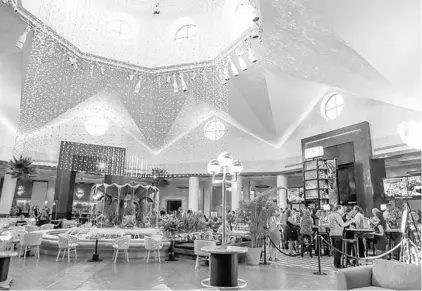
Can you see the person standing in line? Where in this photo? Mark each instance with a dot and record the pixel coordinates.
(283, 224)
(274, 229)
(337, 226)
(387, 211)
(359, 219)
(380, 228)
(306, 230)
(291, 231)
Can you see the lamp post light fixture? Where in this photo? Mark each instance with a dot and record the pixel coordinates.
(230, 169)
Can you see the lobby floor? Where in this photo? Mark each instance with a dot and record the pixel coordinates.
(47, 274)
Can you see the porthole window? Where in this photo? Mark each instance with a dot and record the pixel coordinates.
(332, 106)
(119, 28)
(214, 129)
(186, 32)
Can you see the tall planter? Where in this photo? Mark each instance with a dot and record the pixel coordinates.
(7, 194)
(256, 214)
(253, 256)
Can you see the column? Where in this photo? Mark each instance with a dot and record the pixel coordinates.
(193, 194)
(64, 188)
(282, 193)
(236, 193)
(7, 194)
(207, 197)
(246, 189)
(50, 194)
(39, 194)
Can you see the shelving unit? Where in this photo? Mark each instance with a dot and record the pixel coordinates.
(315, 179)
(295, 198)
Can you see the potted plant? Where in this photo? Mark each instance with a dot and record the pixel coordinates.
(191, 223)
(171, 226)
(22, 168)
(18, 168)
(256, 214)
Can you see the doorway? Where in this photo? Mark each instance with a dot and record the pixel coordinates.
(173, 205)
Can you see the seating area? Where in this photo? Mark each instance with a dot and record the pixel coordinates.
(210, 144)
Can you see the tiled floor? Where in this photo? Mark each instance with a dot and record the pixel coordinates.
(47, 274)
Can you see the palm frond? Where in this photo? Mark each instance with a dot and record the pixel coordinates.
(256, 213)
(21, 168)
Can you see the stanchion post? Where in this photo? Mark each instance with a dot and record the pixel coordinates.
(319, 254)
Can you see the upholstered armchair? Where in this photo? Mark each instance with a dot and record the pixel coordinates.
(121, 244)
(152, 244)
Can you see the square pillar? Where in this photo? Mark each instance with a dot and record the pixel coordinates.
(193, 194)
(282, 193)
(65, 184)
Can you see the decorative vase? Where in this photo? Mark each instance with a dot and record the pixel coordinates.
(253, 256)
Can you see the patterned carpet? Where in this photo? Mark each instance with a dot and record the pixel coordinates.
(327, 263)
(306, 262)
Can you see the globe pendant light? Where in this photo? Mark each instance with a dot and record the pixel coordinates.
(80, 193)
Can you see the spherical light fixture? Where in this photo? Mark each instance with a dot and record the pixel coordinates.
(225, 159)
(236, 167)
(96, 126)
(80, 193)
(213, 167)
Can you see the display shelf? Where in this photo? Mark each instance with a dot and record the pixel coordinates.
(315, 178)
(295, 195)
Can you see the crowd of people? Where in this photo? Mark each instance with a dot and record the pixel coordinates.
(41, 216)
(294, 229)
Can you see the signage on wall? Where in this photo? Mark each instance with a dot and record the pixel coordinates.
(314, 152)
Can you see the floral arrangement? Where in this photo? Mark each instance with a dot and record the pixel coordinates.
(171, 225)
(214, 224)
(22, 168)
(256, 213)
(192, 222)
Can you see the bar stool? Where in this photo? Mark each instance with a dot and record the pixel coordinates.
(345, 244)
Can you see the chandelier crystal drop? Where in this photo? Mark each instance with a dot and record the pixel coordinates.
(183, 83)
(233, 68)
(138, 86)
(22, 39)
(252, 58)
(175, 86)
(242, 63)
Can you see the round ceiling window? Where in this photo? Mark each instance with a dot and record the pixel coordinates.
(332, 106)
(214, 129)
(96, 126)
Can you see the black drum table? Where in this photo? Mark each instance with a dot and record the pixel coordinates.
(223, 267)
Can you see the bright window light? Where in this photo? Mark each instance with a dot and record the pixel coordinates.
(214, 129)
(186, 32)
(332, 106)
(96, 126)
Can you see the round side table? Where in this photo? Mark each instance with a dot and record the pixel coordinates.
(224, 267)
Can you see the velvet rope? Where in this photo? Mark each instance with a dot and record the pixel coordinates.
(364, 258)
(289, 255)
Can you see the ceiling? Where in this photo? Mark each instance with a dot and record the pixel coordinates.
(309, 48)
(128, 31)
